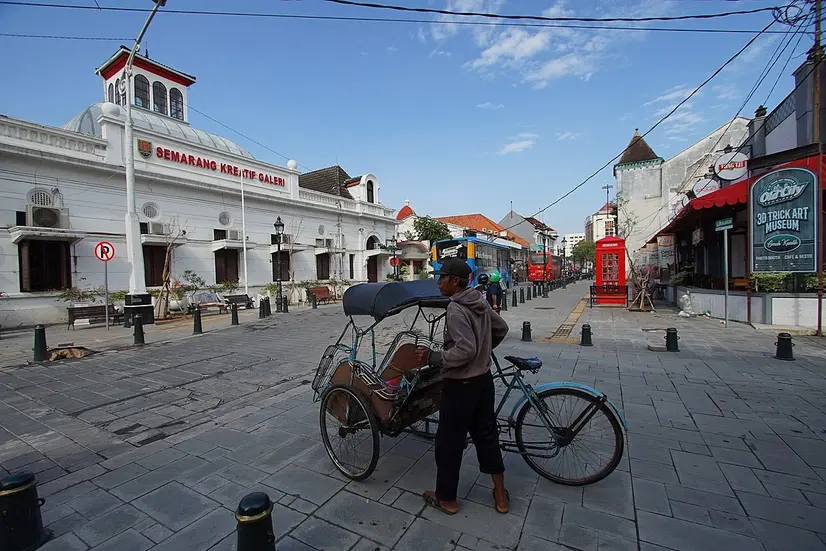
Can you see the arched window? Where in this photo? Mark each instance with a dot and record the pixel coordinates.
(176, 104)
(111, 93)
(159, 98)
(117, 92)
(370, 198)
(141, 91)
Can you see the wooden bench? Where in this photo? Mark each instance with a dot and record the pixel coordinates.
(322, 294)
(95, 314)
(240, 300)
(619, 292)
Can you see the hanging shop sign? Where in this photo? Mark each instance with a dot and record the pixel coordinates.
(783, 221)
(705, 186)
(731, 166)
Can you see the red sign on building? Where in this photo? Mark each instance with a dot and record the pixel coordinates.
(206, 163)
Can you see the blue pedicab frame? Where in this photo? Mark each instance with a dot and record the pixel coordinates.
(365, 388)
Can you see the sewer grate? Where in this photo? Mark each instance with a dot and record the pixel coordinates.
(563, 331)
(544, 308)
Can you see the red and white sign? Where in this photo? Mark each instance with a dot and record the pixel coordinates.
(731, 166)
(104, 251)
(180, 157)
(705, 186)
(395, 261)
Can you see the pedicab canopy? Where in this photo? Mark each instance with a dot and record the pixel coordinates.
(381, 300)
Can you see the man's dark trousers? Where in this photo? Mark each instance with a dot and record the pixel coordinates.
(467, 407)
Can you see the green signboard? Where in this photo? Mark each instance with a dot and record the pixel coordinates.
(724, 224)
(783, 221)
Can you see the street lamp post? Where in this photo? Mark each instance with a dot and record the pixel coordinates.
(138, 301)
(391, 245)
(279, 233)
(564, 255)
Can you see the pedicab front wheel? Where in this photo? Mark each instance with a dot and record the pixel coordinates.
(349, 431)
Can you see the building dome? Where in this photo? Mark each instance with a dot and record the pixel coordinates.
(87, 123)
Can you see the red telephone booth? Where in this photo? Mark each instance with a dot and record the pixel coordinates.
(610, 285)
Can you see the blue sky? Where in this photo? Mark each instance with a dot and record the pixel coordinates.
(457, 119)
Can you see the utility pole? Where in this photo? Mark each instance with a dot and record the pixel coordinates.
(607, 188)
(818, 55)
(138, 301)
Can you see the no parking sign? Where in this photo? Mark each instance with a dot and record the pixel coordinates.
(105, 251)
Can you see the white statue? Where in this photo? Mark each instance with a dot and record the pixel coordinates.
(685, 305)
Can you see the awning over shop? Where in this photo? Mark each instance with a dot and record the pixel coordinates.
(735, 194)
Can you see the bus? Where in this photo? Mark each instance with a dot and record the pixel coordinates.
(481, 255)
(543, 266)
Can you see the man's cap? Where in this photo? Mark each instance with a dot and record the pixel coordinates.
(453, 267)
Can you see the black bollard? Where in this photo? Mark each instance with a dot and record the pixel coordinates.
(21, 524)
(522, 295)
(137, 323)
(784, 347)
(254, 528)
(286, 307)
(234, 311)
(586, 335)
(505, 301)
(544, 290)
(261, 308)
(313, 301)
(279, 304)
(531, 291)
(41, 351)
(671, 339)
(526, 331)
(267, 307)
(513, 300)
(197, 328)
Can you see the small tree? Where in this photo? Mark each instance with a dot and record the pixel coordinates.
(640, 275)
(430, 229)
(584, 252)
(292, 250)
(173, 232)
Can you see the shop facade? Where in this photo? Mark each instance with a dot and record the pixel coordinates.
(63, 191)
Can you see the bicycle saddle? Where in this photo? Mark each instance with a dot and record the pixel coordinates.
(525, 364)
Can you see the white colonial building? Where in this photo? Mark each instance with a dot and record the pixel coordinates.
(62, 191)
(654, 189)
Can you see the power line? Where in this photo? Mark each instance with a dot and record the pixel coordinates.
(548, 18)
(773, 59)
(55, 37)
(388, 19)
(246, 137)
(659, 122)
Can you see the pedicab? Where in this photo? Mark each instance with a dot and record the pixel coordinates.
(362, 399)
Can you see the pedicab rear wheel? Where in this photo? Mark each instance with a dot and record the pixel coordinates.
(347, 420)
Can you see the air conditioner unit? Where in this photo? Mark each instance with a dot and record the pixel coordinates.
(158, 228)
(44, 217)
(233, 235)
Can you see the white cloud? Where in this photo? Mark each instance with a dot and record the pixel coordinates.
(518, 143)
(673, 95)
(489, 105)
(439, 53)
(392, 49)
(726, 91)
(561, 136)
(541, 56)
(421, 36)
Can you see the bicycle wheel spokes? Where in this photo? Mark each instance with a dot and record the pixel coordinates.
(349, 432)
(562, 454)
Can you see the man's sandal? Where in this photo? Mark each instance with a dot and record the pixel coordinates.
(434, 502)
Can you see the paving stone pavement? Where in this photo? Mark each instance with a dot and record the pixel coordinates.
(153, 447)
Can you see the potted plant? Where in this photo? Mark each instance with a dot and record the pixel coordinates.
(177, 295)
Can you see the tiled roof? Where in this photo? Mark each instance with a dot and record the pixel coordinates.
(405, 212)
(608, 208)
(638, 150)
(481, 223)
(331, 180)
(538, 225)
